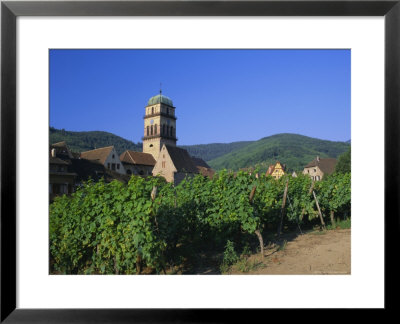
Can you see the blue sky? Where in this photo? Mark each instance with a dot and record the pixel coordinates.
(220, 96)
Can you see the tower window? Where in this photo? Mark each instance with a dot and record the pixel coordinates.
(163, 129)
(151, 145)
(170, 131)
(147, 130)
(155, 129)
(151, 130)
(152, 110)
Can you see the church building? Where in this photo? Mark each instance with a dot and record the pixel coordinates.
(159, 140)
(174, 164)
(159, 125)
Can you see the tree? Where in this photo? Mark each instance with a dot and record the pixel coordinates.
(344, 163)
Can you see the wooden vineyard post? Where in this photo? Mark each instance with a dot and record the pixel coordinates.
(257, 232)
(283, 208)
(332, 214)
(309, 193)
(139, 263)
(153, 197)
(319, 210)
(154, 193)
(252, 193)
(260, 239)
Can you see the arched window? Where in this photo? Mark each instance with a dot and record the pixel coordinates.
(152, 110)
(155, 129)
(163, 129)
(148, 131)
(170, 131)
(151, 130)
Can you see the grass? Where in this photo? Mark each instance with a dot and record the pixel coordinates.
(282, 247)
(341, 224)
(318, 232)
(246, 265)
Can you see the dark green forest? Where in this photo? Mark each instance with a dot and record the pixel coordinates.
(86, 141)
(214, 150)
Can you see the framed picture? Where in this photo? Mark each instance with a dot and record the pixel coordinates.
(16, 44)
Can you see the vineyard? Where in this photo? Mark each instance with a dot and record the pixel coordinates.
(150, 226)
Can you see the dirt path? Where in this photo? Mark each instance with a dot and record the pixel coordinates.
(326, 252)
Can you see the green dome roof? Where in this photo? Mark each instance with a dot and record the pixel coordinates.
(160, 99)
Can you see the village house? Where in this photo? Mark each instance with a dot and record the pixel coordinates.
(62, 150)
(67, 171)
(107, 156)
(318, 167)
(276, 170)
(94, 170)
(61, 179)
(137, 163)
(174, 164)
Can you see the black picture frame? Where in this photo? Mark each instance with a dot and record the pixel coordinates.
(10, 10)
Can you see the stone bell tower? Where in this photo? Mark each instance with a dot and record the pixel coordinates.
(159, 124)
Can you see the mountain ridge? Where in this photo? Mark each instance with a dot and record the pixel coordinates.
(294, 150)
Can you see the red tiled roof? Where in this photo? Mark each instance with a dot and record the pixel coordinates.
(99, 154)
(327, 166)
(139, 158)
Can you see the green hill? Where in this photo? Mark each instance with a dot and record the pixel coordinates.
(85, 141)
(291, 149)
(211, 151)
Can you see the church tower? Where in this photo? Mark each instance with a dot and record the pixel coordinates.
(159, 125)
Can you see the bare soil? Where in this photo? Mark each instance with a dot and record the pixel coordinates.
(317, 252)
